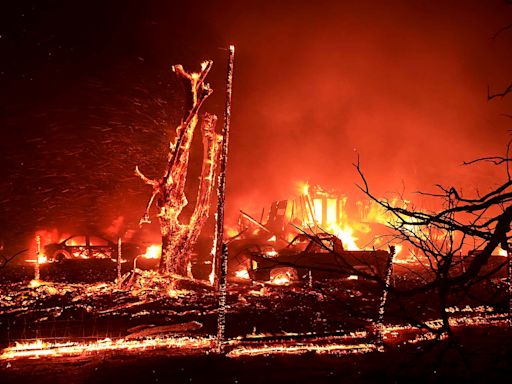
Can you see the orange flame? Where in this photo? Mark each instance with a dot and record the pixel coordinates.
(154, 251)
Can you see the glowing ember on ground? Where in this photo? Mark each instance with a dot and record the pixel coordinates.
(336, 349)
(40, 348)
(350, 343)
(34, 283)
(177, 292)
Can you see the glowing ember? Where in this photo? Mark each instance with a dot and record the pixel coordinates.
(337, 349)
(177, 292)
(40, 348)
(242, 274)
(280, 279)
(271, 253)
(153, 252)
(34, 283)
(502, 252)
(42, 259)
(231, 232)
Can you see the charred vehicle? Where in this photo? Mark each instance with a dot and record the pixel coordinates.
(89, 247)
(318, 256)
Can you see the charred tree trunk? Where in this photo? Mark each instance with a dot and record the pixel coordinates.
(178, 238)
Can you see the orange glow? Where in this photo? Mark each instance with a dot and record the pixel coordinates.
(271, 253)
(153, 252)
(177, 292)
(39, 348)
(231, 232)
(502, 252)
(282, 276)
(41, 258)
(242, 274)
(320, 210)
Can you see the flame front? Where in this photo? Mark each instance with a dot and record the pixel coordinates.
(153, 252)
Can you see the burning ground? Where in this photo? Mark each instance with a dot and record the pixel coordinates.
(165, 331)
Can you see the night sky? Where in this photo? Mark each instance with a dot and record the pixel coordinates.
(87, 93)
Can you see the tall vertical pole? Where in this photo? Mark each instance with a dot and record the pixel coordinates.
(221, 187)
(119, 254)
(220, 264)
(37, 274)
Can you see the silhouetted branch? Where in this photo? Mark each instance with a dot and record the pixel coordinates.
(502, 94)
(8, 259)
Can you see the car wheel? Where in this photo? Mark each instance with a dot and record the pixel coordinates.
(60, 255)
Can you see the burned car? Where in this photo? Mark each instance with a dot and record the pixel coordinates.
(318, 256)
(89, 247)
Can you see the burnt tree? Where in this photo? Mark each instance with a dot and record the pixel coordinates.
(481, 223)
(178, 238)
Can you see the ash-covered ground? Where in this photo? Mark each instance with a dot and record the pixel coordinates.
(81, 301)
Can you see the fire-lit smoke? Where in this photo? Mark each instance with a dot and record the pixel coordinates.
(401, 84)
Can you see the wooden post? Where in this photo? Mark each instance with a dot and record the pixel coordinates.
(509, 255)
(383, 299)
(37, 273)
(221, 188)
(119, 254)
(221, 318)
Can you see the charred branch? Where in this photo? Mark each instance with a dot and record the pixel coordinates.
(501, 94)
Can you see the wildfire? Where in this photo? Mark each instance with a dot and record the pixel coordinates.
(281, 276)
(41, 259)
(326, 211)
(337, 349)
(231, 232)
(40, 348)
(242, 274)
(174, 293)
(153, 252)
(346, 235)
